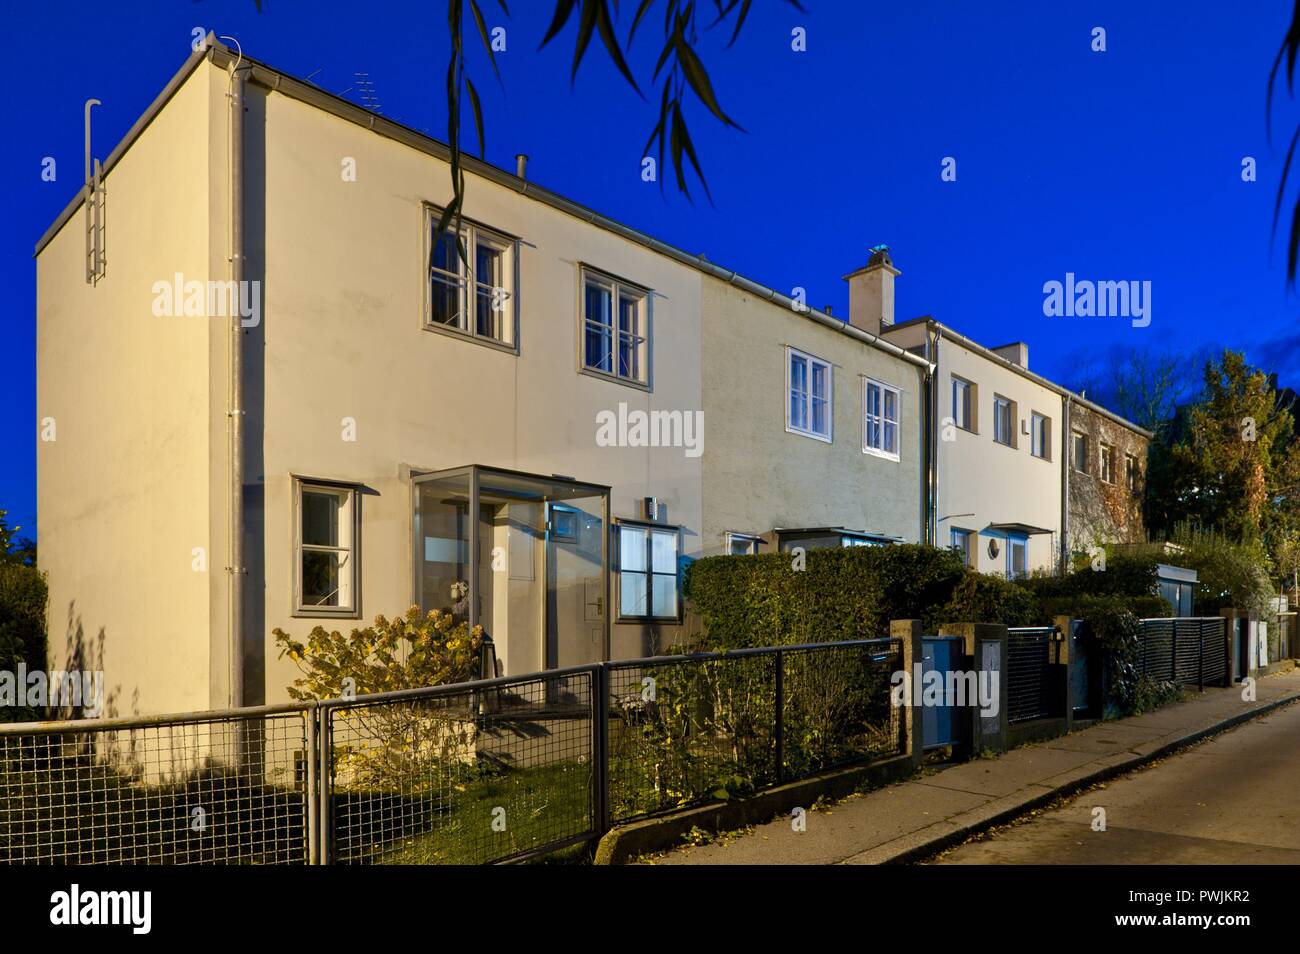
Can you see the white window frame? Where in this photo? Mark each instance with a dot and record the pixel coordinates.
(1106, 462)
(1040, 444)
(966, 418)
(887, 452)
(749, 541)
(650, 529)
(1010, 435)
(349, 536)
(1132, 475)
(967, 553)
(1014, 542)
(1077, 437)
(618, 289)
(811, 361)
(472, 234)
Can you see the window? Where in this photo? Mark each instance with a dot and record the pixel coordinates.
(1040, 436)
(880, 429)
(1108, 463)
(1132, 474)
(471, 282)
(1017, 563)
(647, 569)
(963, 403)
(325, 533)
(961, 541)
(742, 544)
(808, 411)
(1079, 452)
(1004, 419)
(614, 328)
(862, 540)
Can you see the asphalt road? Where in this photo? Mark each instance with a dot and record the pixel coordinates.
(1234, 799)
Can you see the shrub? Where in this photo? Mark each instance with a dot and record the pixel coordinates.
(1228, 573)
(841, 594)
(23, 596)
(983, 598)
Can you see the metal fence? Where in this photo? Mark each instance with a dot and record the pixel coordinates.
(1191, 651)
(485, 771)
(1028, 659)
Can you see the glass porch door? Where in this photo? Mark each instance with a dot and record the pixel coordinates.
(531, 566)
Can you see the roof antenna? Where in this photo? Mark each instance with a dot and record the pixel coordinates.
(365, 92)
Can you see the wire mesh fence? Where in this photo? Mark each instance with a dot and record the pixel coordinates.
(229, 789)
(687, 729)
(1028, 659)
(476, 772)
(466, 774)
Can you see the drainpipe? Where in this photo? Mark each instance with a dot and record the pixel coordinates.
(1066, 441)
(236, 413)
(935, 334)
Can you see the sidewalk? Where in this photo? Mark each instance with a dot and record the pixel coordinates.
(938, 808)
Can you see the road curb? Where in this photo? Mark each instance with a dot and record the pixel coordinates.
(930, 847)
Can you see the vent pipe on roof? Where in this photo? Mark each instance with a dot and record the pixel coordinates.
(521, 165)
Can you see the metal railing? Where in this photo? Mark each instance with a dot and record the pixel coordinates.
(1191, 651)
(485, 771)
(1028, 661)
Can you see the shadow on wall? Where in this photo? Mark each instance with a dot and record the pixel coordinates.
(82, 655)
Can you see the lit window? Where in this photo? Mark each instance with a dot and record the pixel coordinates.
(1108, 463)
(325, 538)
(808, 410)
(880, 428)
(647, 568)
(614, 327)
(471, 281)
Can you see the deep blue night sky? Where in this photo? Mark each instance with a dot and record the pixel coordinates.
(1115, 166)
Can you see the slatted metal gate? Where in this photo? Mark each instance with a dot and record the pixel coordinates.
(1190, 651)
(1028, 657)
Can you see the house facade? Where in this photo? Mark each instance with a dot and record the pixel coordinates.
(1105, 479)
(532, 424)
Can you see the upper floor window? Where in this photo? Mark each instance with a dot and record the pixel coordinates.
(1079, 452)
(472, 282)
(325, 535)
(808, 410)
(1108, 463)
(1040, 436)
(1133, 474)
(1004, 419)
(614, 328)
(647, 571)
(963, 403)
(880, 428)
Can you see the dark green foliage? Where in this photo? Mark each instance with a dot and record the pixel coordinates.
(842, 594)
(984, 598)
(22, 626)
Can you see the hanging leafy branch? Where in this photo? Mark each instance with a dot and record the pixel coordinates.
(1289, 50)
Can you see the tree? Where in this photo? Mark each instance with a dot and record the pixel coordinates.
(1227, 463)
(13, 548)
(1143, 385)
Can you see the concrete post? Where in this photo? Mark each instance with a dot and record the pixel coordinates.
(909, 632)
(1062, 656)
(985, 649)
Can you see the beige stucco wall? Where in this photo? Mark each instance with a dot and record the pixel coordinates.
(123, 491)
(758, 475)
(343, 337)
(980, 481)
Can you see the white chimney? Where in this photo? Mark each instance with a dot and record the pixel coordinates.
(871, 292)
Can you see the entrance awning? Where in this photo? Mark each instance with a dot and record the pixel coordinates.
(1027, 529)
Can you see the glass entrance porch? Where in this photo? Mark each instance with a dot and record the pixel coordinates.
(530, 566)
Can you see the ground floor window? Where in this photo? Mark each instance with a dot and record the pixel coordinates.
(325, 538)
(960, 541)
(647, 572)
(742, 544)
(1017, 557)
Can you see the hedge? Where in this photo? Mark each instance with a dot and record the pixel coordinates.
(22, 625)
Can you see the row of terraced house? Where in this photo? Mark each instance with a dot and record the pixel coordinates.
(535, 424)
